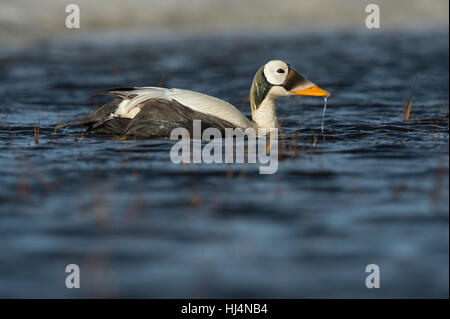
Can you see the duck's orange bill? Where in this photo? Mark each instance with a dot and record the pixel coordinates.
(312, 91)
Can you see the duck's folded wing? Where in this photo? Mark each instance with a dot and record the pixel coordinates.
(158, 117)
(152, 111)
(198, 102)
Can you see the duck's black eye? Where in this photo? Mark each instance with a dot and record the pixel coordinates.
(280, 71)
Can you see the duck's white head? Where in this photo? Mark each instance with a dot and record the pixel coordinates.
(276, 78)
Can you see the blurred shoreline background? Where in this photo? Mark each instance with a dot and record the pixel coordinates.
(24, 22)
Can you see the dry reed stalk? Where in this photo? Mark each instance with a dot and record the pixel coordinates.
(161, 80)
(407, 107)
(57, 125)
(37, 128)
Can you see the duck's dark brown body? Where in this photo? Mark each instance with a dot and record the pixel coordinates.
(157, 118)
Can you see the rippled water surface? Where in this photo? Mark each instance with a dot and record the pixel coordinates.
(371, 189)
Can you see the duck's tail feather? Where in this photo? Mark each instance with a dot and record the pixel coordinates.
(124, 93)
(97, 118)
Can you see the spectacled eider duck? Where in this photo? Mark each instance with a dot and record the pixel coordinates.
(145, 112)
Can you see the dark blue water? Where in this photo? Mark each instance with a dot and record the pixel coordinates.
(371, 189)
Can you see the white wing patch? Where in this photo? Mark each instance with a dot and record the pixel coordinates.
(196, 101)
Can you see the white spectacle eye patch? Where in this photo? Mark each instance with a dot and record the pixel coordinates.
(276, 72)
